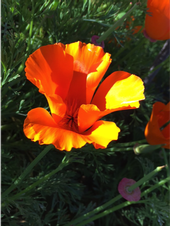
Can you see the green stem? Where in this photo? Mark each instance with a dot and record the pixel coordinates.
(27, 170)
(146, 178)
(131, 52)
(31, 28)
(122, 205)
(5, 70)
(63, 164)
(117, 24)
(111, 210)
(160, 183)
(98, 209)
(167, 165)
(125, 146)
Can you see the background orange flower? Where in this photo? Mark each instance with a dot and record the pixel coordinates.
(68, 76)
(157, 23)
(159, 117)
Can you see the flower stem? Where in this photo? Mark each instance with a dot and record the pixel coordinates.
(127, 56)
(27, 170)
(117, 24)
(167, 165)
(31, 28)
(106, 212)
(155, 186)
(64, 163)
(146, 178)
(122, 205)
(98, 209)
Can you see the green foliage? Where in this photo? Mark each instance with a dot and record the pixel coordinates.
(91, 176)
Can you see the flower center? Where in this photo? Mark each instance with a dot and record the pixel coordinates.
(69, 120)
(128, 190)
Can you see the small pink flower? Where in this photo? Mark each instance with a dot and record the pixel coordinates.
(94, 41)
(123, 189)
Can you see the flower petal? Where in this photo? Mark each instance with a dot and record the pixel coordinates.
(119, 91)
(90, 60)
(102, 133)
(77, 90)
(50, 69)
(37, 119)
(164, 118)
(153, 133)
(40, 126)
(95, 76)
(88, 114)
(57, 106)
(157, 25)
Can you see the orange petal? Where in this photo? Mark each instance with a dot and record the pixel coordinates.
(67, 139)
(119, 91)
(157, 25)
(164, 117)
(40, 126)
(90, 60)
(36, 119)
(77, 90)
(88, 114)
(102, 133)
(162, 112)
(96, 75)
(50, 69)
(57, 106)
(153, 133)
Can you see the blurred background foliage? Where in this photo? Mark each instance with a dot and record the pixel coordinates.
(93, 180)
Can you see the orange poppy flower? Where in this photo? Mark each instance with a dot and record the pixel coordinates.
(157, 23)
(68, 76)
(153, 132)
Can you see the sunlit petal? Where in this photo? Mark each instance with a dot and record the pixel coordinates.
(88, 114)
(50, 69)
(90, 60)
(36, 119)
(102, 133)
(119, 91)
(40, 126)
(57, 106)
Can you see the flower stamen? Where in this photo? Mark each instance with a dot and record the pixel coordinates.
(70, 120)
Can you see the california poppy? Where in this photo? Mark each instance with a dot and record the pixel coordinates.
(123, 189)
(157, 130)
(157, 20)
(68, 75)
